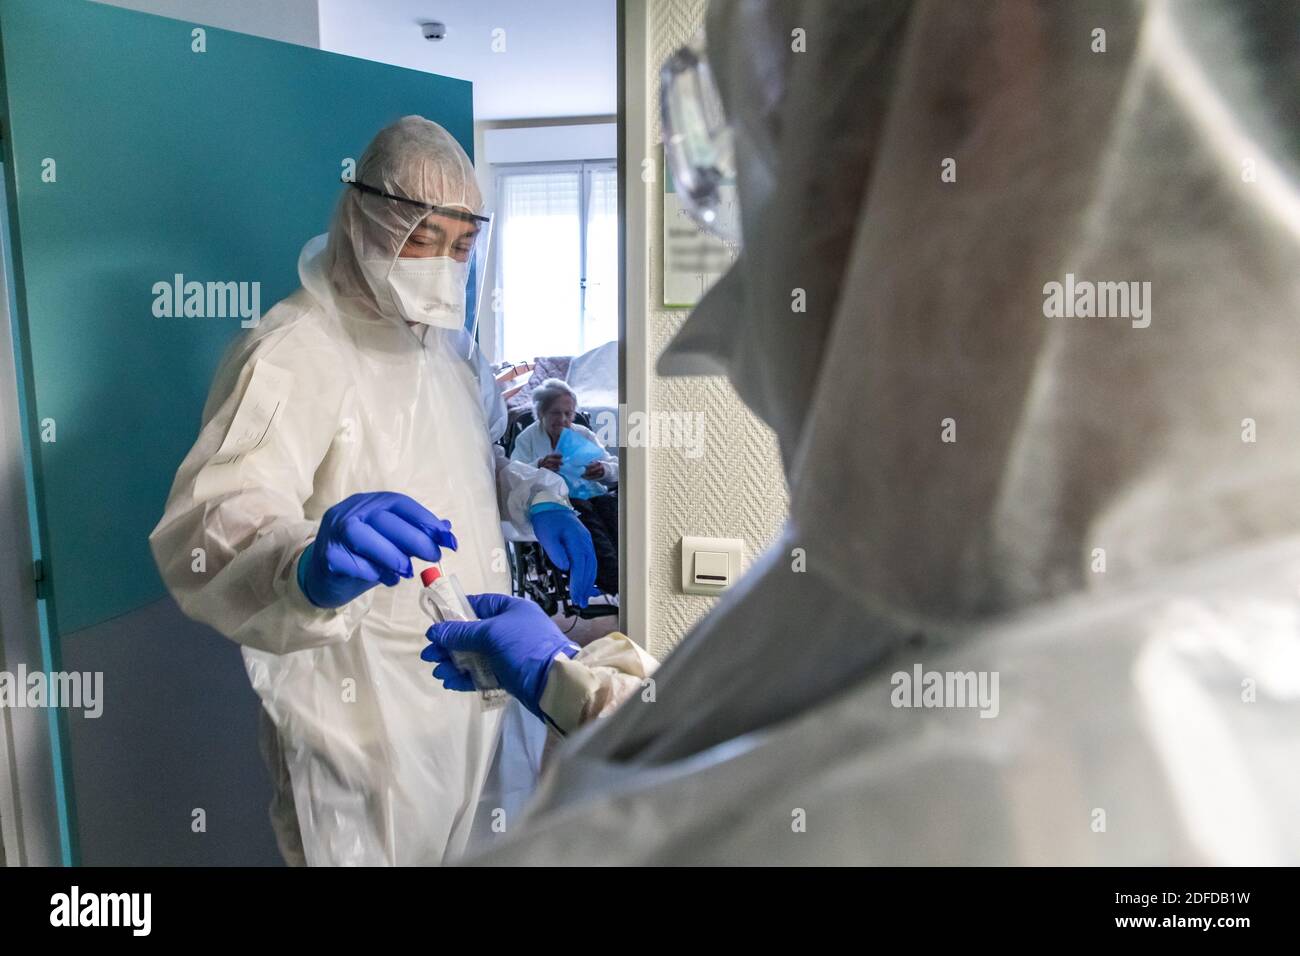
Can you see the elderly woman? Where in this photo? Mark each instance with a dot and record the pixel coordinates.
(554, 405)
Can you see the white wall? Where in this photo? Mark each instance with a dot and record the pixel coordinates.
(293, 21)
(526, 59)
(736, 489)
(559, 143)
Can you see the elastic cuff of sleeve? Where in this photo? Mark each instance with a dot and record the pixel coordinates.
(547, 506)
(302, 571)
(340, 622)
(292, 589)
(570, 688)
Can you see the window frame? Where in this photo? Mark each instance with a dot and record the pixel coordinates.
(583, 168)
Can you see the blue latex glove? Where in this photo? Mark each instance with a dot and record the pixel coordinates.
(515, 636)
(568, 544)
(369, 539)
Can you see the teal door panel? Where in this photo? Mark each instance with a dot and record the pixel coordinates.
(134, 158)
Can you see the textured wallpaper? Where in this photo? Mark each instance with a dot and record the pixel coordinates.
(736, 488)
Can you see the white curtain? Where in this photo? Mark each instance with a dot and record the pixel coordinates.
(541, 266)
(600, 324)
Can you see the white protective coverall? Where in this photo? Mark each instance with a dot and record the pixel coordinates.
(1113, 531)
(373, 762)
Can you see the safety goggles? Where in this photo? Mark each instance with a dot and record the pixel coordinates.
(699, 146)
(450, 211)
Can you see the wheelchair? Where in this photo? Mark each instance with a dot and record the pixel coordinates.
(533, 576)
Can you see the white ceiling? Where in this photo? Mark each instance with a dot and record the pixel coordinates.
(559, 59)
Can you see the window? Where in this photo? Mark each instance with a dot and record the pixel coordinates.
(557, 258)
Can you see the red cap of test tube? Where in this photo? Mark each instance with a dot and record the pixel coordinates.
(430, 574)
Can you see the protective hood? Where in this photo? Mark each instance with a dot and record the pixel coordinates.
(414, 158)
(939, 180)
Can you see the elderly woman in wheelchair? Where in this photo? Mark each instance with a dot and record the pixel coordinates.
(593, 490)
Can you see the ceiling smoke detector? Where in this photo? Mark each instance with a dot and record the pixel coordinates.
(434, 30)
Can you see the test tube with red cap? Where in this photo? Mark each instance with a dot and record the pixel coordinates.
(443, 599)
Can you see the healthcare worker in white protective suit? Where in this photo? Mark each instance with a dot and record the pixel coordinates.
(347, 441)
(1112, 527)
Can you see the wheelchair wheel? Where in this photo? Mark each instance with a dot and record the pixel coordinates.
(532, 577)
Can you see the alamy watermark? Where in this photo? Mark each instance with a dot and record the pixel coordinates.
(946, 689)
(74, 690)
(1085, 299)
(133, 911)
(180, 299)
(655, 429)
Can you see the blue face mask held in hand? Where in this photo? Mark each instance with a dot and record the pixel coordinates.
(577, 453)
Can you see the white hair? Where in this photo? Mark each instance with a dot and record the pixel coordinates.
(548, 392)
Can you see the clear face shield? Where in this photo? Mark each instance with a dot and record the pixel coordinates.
(699, 147)
(431, 263)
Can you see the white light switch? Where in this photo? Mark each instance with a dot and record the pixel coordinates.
(710, 565)
(711, 568)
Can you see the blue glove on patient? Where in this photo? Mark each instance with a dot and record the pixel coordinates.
(369, 539)
(517, 638)
(568, 544)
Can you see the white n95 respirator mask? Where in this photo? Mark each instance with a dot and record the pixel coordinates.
(430, 291)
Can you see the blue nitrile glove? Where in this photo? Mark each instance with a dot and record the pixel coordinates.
(515, 636)
(568, 544)
(369, 539)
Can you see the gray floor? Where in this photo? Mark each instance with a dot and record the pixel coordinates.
(178, 733)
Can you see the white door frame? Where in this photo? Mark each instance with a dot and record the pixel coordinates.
(28, 798)
(634, 333)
